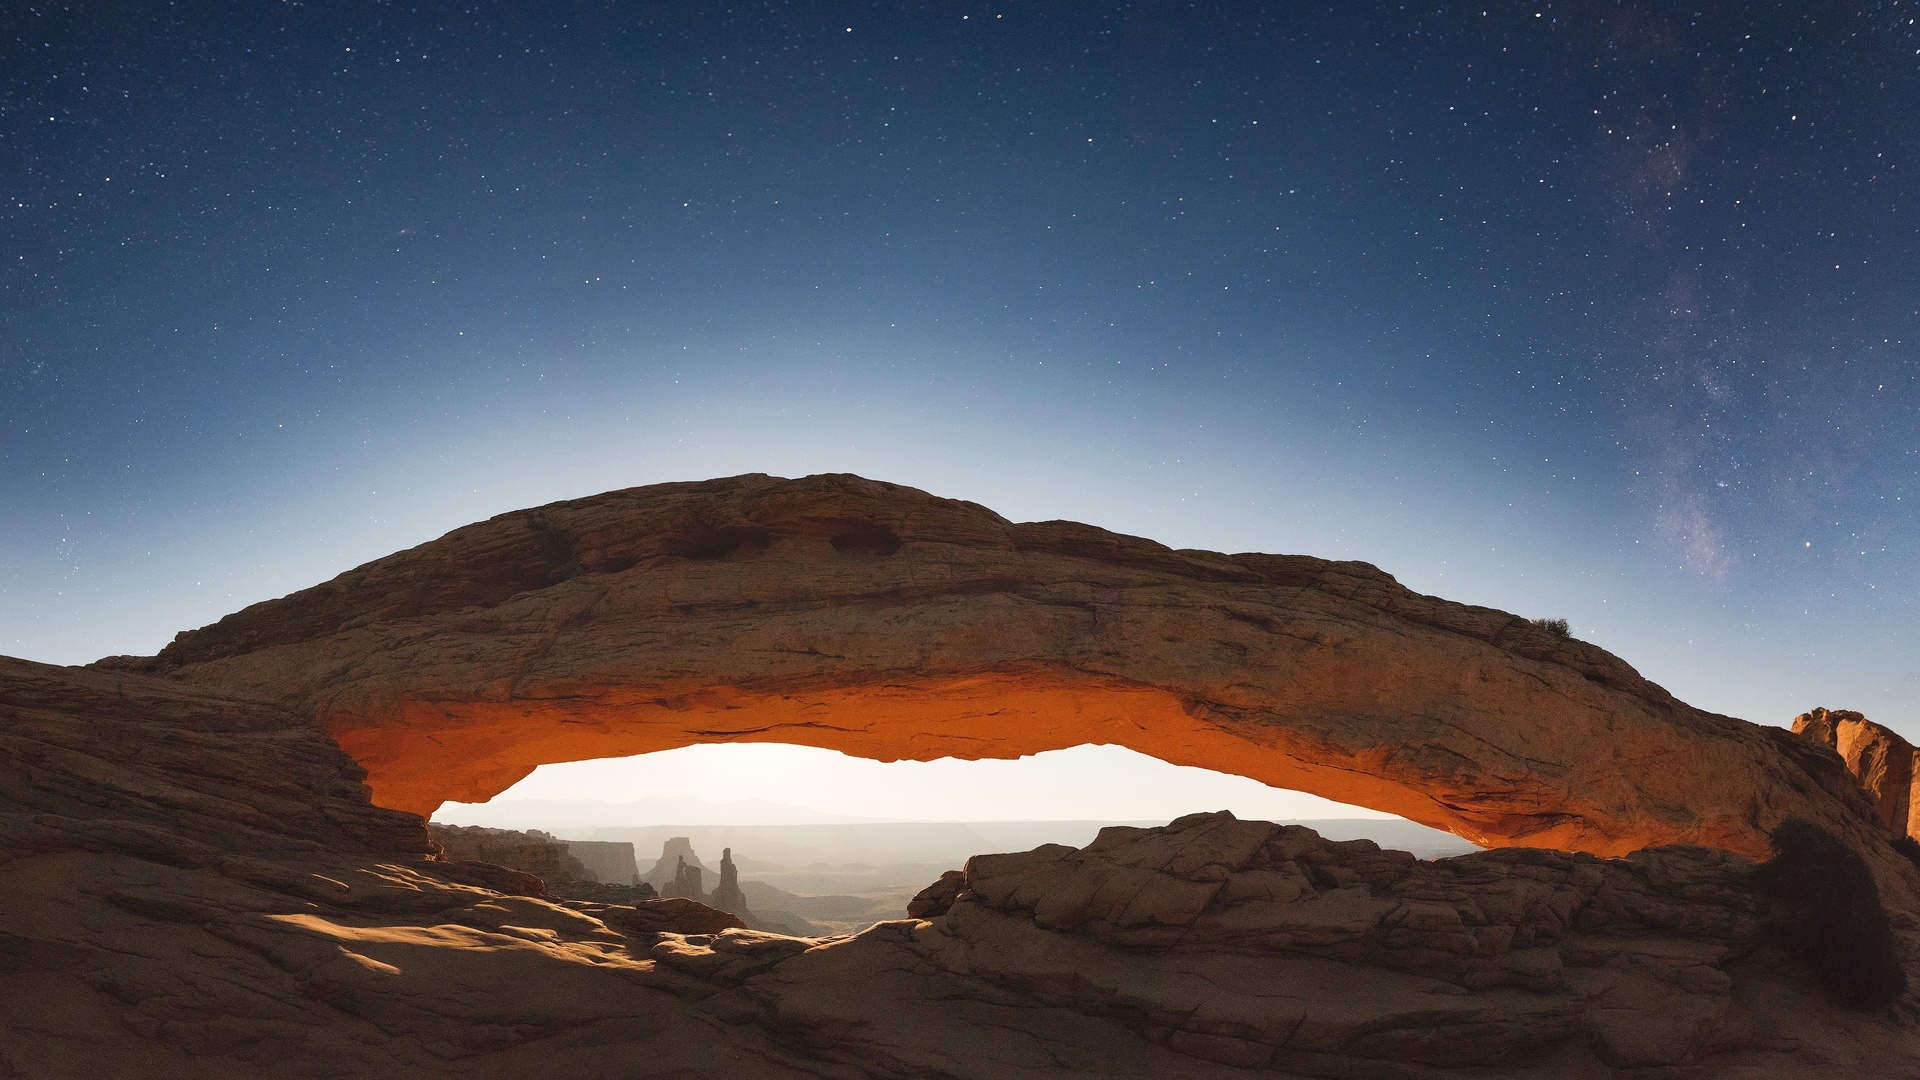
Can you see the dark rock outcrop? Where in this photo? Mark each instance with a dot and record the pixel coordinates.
(1252, 946)
(937, 899)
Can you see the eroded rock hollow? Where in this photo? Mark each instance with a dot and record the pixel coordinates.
(879, 620)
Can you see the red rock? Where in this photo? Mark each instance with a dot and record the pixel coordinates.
(1879, 758)
(884, 622)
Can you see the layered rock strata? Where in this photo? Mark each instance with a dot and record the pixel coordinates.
(884, 622)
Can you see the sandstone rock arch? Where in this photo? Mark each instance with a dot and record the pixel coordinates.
(882, 621)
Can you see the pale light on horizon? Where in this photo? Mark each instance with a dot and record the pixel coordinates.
(1082, 783)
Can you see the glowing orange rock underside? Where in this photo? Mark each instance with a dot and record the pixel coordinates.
(420, 753)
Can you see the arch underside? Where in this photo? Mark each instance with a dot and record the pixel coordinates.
(883, 622)
(430, 752)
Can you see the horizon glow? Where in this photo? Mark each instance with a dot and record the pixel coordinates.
(1572, 316)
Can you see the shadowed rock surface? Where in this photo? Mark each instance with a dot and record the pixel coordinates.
(194, 885)
(885, 622)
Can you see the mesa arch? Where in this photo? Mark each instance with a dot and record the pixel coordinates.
(882, 621)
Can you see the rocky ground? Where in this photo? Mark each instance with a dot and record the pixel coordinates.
(196, 885)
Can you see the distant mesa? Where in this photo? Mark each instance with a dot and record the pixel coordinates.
(688, 882)
(571, 869)
(676, 855)
(608, 861)
(536, 853)
(597, 870)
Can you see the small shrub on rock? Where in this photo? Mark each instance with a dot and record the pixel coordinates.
(1828, 914)
(1557, 627)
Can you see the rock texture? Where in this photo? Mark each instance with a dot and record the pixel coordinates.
(532, 852)
(884, 622)
(1264, 946)
(194, 884)
(1879, 758)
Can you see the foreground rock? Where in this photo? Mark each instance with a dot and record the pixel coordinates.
(888, 623)
(194, 885)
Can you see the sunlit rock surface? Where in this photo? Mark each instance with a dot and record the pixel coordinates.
(194, 885)
(879, 620)
(1878, 757)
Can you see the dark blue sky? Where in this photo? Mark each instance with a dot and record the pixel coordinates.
(1599, 309)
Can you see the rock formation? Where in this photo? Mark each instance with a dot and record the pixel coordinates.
(688, 882)
(727, 895)
(610, 861)
(675, 851)
(884, 622)
(532, 852)
(194, 885)
(553, 866)
(1880, 759)
(685, 883)
(196, 882)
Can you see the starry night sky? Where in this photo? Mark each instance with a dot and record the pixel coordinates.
(1602, 310)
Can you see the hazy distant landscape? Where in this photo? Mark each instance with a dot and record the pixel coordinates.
(819, 875)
